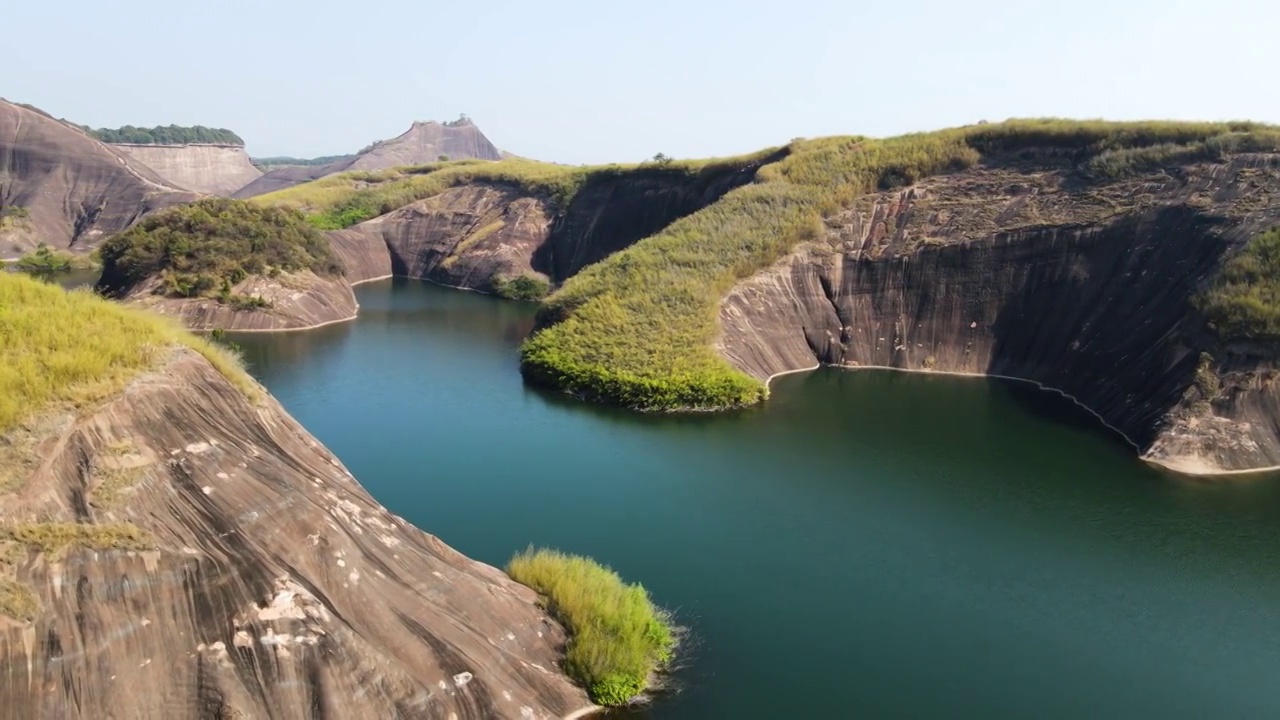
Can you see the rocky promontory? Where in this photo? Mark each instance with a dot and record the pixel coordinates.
(221, 264)
(183, 548)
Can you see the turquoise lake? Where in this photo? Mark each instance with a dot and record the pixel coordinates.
(867, 544)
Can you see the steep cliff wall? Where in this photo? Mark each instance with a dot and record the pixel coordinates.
(471, 235)
(210, 169)
(75, 190)
(224, 564)
(1032, 275)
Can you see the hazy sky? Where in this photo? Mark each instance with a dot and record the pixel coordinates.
(576, 81)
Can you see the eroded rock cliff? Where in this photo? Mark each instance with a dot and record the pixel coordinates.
(1035, 274)
(288, 301)
(74, 190)
(209, 169)
(222, 563)
(476, 234)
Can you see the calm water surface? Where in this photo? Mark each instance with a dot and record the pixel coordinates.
(866, 545)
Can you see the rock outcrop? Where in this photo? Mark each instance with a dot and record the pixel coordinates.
(472, 235)
(423, 142)
(74, 190)
(240, 571)
(1082, 288)
(209, 169)
(289, 301)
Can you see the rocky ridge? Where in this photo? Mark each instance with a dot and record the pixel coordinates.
(423, 142)
(74, 190)
(222, 563)
(1030, 274)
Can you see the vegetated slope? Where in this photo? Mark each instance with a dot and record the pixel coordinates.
(209, 169)
(639, 329)
(1138, 281)
(71, 191)
(173, 544)
(423, 142)
(514, 227)
(228, 264)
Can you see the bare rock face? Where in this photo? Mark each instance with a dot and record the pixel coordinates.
(75, 190)
(293, 301)
(464, 237)
(1030, 275)
(210, 169)
(273, 586)
(423, 142)
(471, 235)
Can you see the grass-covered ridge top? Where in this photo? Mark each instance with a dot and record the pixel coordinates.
(74, 349)
(638, 328)
(342, 200)
(206, 247)
(617, 638)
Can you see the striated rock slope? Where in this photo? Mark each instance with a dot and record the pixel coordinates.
(1032, 274)
(209, 169)
(225, 564)
(477, 235)
(75, 190)
(288, 301)
(423, 142)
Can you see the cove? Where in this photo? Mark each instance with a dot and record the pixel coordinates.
(866, 544)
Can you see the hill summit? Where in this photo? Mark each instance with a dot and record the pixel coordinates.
(423, 142)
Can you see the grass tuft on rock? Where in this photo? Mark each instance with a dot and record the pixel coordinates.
(617, 638)
(53, 538)
(73, 349)
(18, 601)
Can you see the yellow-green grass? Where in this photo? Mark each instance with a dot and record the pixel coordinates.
(1243, 303)
(55, 537)
(637, 329)
(617, 637)
(18, 600)
(74, 349)
(343, 200)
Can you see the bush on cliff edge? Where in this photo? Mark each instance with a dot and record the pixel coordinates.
(617, 638)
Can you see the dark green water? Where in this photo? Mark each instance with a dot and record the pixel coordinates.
(866, 545)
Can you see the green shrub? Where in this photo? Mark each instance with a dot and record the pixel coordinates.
(522, 287)
(45, 262)
(200, 248)
(76, 349)
(1243, 301)
(166, 135)
(617, 638)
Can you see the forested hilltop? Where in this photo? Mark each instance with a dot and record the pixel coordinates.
(165, 135)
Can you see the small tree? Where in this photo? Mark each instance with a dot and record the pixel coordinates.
(662, 159)
(443, 158)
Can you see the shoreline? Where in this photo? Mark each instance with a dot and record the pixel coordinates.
(1164, 465)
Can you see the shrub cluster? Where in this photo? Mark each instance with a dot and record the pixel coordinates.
(1243, 302)
(166, 135)
(207, 247)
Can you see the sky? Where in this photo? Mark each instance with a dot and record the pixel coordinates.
(594, 82)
